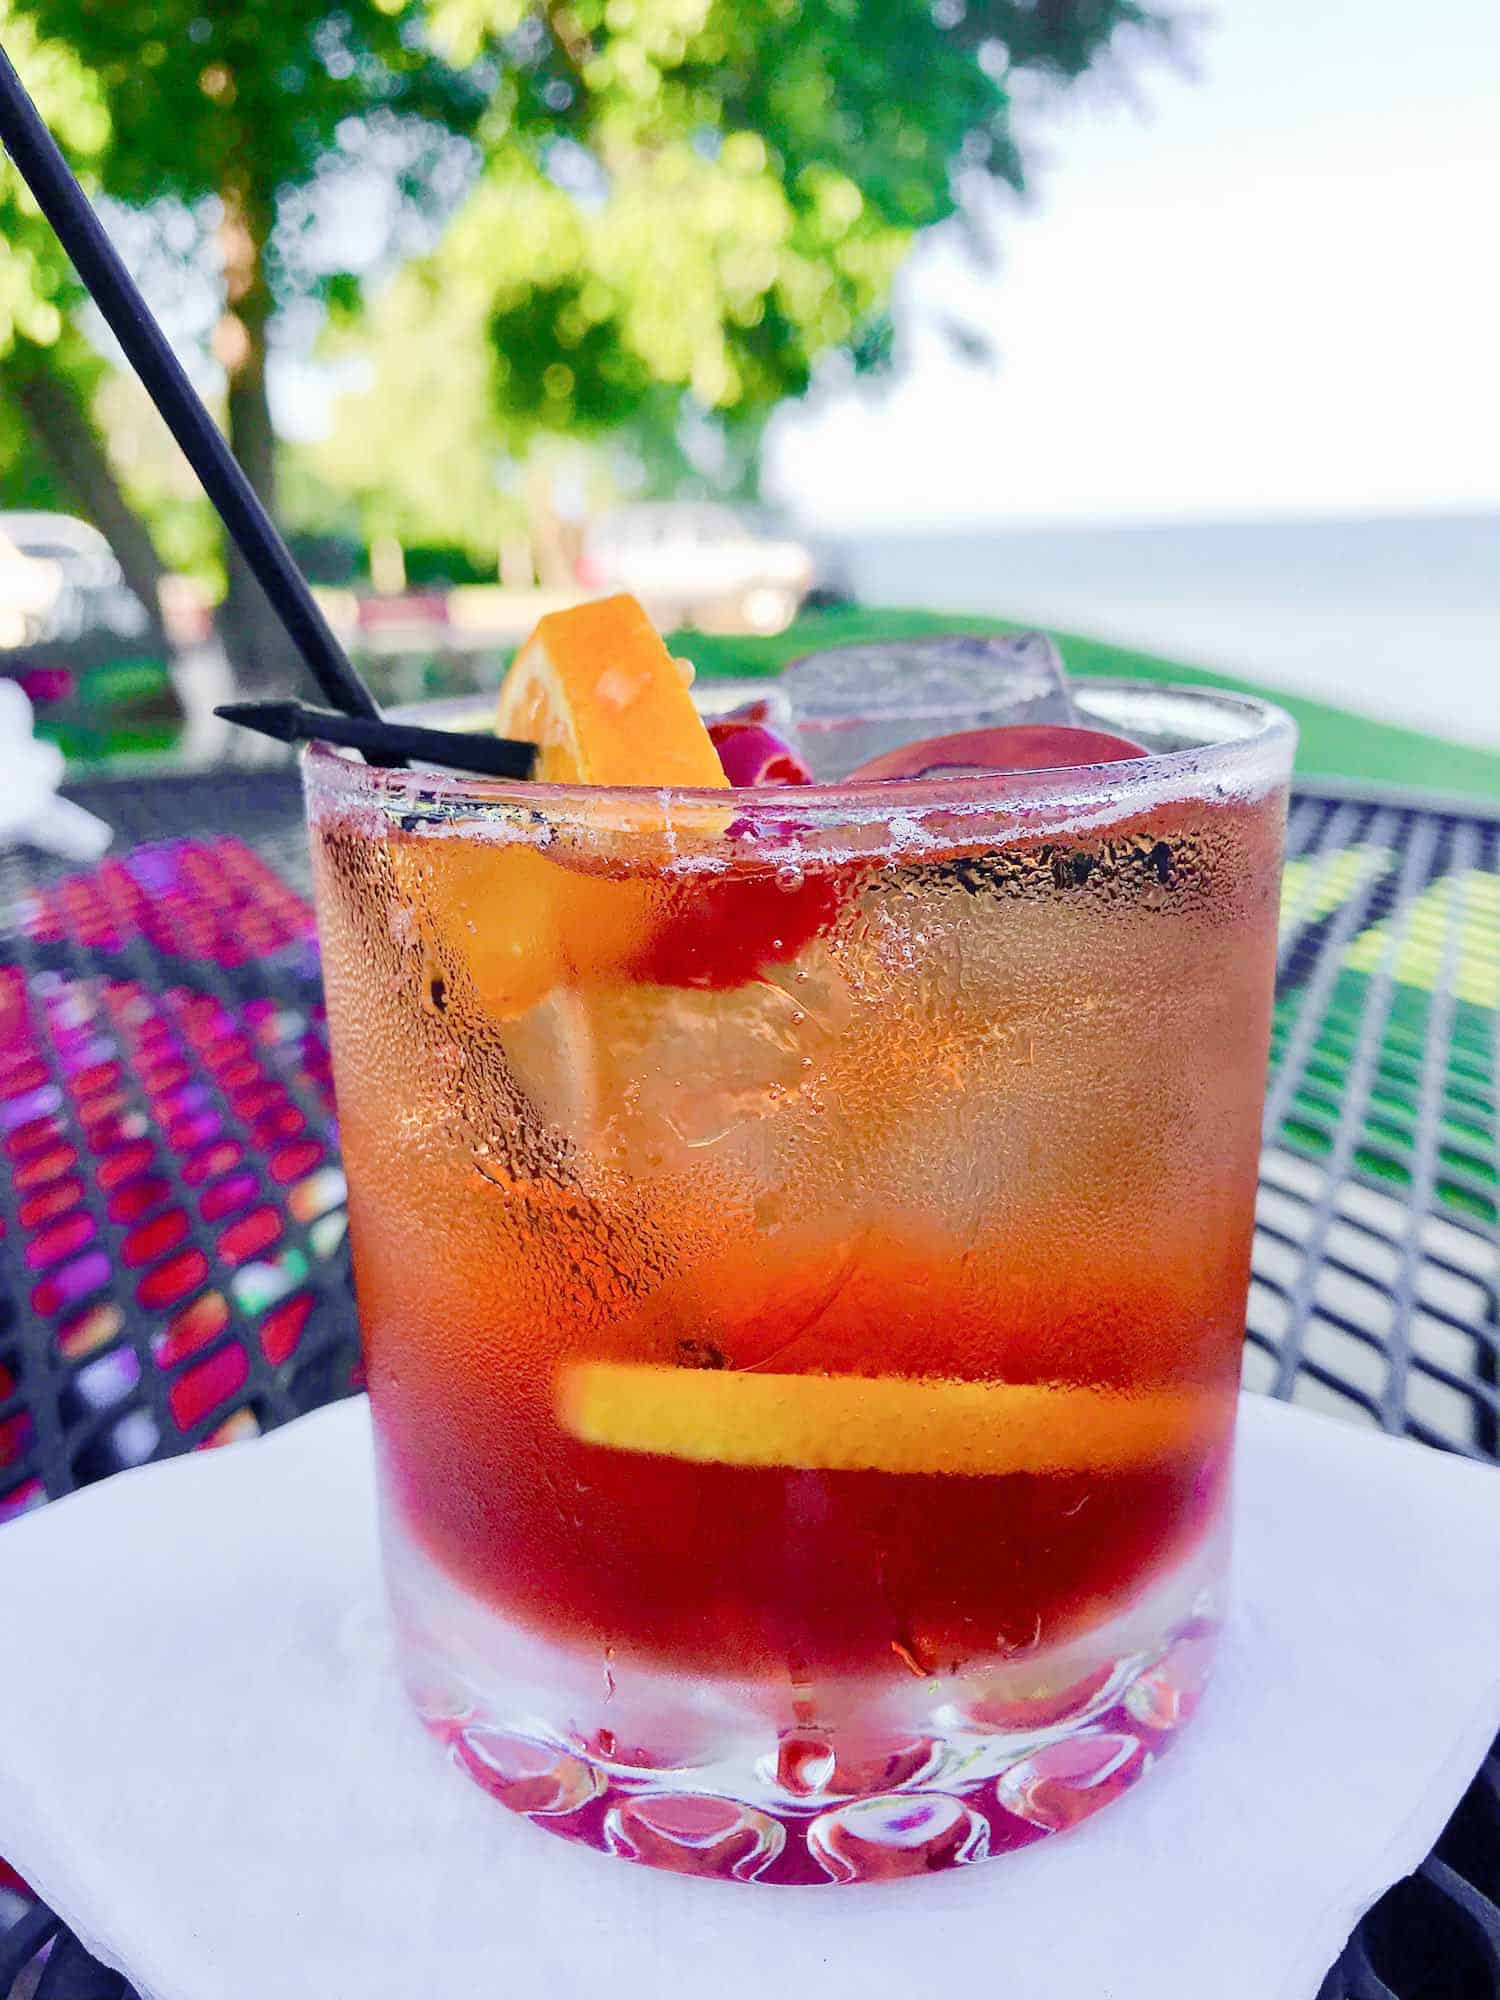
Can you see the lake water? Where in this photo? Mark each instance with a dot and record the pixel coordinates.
(1398, 617)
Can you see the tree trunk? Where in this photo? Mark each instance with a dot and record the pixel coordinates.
(258, 648)
(65, 432)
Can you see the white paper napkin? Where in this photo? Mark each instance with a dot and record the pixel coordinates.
(207, 1768)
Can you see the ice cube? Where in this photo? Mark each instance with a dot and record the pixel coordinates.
(852, 703)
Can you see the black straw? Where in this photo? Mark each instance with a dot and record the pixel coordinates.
(114, 291)
(384, 742)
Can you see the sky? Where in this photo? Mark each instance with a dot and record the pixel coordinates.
(1264, 288)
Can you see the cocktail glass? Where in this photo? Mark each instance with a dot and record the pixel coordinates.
(801, 1240)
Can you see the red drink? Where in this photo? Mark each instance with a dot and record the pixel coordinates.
(802, 1244)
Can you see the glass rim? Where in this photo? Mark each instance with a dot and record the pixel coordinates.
(1261, 735)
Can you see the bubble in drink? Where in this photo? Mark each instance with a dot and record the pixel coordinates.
(854, 703)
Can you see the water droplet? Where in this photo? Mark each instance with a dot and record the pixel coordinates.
(434, 989)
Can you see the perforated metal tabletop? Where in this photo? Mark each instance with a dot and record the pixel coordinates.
(173, 1270)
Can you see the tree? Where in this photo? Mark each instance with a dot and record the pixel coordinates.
(684, 207)
(645, 221)
(48, 372)
(246, 115)
(37, 288)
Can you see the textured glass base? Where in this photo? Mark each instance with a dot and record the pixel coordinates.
(838, 1782)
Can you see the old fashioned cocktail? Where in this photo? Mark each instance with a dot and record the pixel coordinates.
(802, 1240)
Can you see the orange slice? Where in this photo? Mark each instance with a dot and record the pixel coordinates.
(881, 1423)
(605, 702)
(517, 922)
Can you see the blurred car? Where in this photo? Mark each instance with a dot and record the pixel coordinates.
(29, 587)
(88, 654)
(92, 597)
(697, 563)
